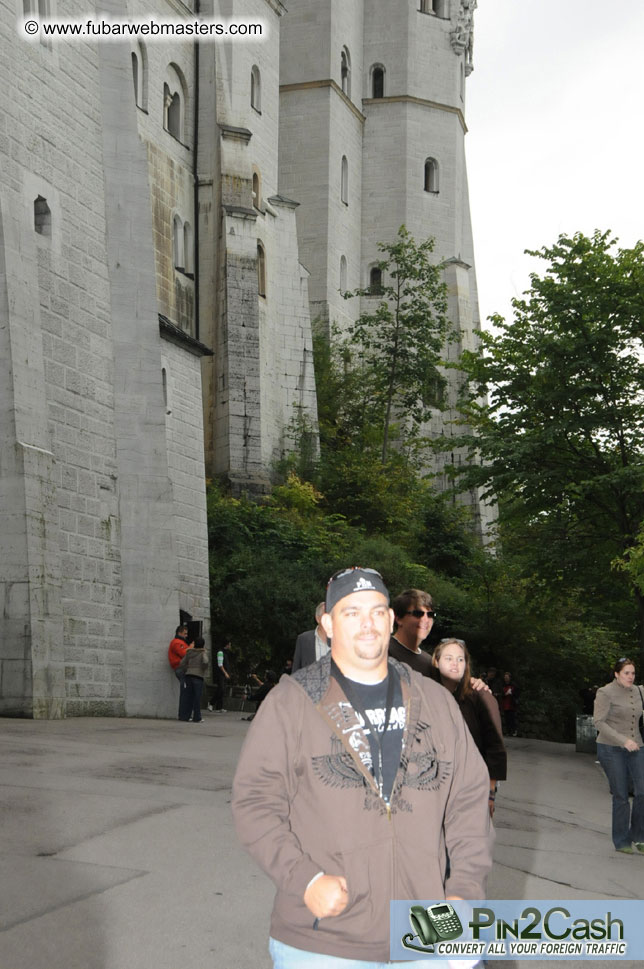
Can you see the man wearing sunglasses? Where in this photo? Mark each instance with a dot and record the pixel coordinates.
(414, 614)
(355, 778)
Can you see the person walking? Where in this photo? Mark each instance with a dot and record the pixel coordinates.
(222, 676)
(620, 750)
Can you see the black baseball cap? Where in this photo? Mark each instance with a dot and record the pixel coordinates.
(354, 579)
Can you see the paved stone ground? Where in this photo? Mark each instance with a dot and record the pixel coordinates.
(117, 849)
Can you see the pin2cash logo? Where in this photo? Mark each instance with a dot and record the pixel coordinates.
(436, 923)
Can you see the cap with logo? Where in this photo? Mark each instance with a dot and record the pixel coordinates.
(355, 579)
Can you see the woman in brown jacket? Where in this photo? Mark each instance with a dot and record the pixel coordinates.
(620, 751)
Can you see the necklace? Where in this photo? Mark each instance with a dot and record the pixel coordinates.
(349, 692)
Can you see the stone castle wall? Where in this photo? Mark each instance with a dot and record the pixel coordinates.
(104, 360)
(103, 537)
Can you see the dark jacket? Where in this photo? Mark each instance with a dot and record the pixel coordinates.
(303, 802)
(481, 713)
(304, 653)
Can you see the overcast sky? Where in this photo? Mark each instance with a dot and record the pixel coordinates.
(555, 111)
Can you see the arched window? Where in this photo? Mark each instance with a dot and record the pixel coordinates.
(257, 190)
(345, 71)
(42, 216)
(344, 181)
(256, 89)
(166, 390)
(177, 243)
(40, 10)
(431, 175)
(440, 8)
(343, 274)
(172, 112)
(375, 281)
(175, 102)
(261, 270)
(135, 77)
(188, 248)
(377, 81)
(140, 76)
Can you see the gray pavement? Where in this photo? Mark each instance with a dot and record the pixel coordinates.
(117, 849)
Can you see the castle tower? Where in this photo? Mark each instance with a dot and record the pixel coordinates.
(372, 129)
(254, 291)
(321, 143)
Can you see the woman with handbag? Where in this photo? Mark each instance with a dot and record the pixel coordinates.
(620, 749)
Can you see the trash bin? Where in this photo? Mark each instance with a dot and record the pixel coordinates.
(586, 742)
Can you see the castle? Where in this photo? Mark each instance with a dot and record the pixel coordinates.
(173, 216)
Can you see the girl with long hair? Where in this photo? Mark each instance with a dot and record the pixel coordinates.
(480, 710)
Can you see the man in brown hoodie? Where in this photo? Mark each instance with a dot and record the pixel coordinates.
(356, 777)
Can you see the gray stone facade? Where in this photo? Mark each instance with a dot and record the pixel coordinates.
(102, 490)
(172, 217)
(254, 289)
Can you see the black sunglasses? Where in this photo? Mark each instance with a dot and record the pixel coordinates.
(352, 568)
(419, 613)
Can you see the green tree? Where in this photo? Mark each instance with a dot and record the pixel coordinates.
(561, 437)
(269, 564)
(632, 562)
(399, 344)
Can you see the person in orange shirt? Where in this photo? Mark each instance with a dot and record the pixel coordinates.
(178, 649)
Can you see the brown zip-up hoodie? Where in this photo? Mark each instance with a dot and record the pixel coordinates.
(303, 803)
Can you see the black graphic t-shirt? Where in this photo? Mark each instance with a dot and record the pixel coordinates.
(372, 697)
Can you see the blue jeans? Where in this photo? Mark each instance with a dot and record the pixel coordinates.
(286, 957)
(190, 699)
(619, 765)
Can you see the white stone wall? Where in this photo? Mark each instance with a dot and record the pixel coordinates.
(170, 160)
(71, 612)
(319, 124)
(262, 367)
(92, 526)
(287, 376)
(305, 51)
(150, 543)
(306, 177)
(185, 448)
(345, 218)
